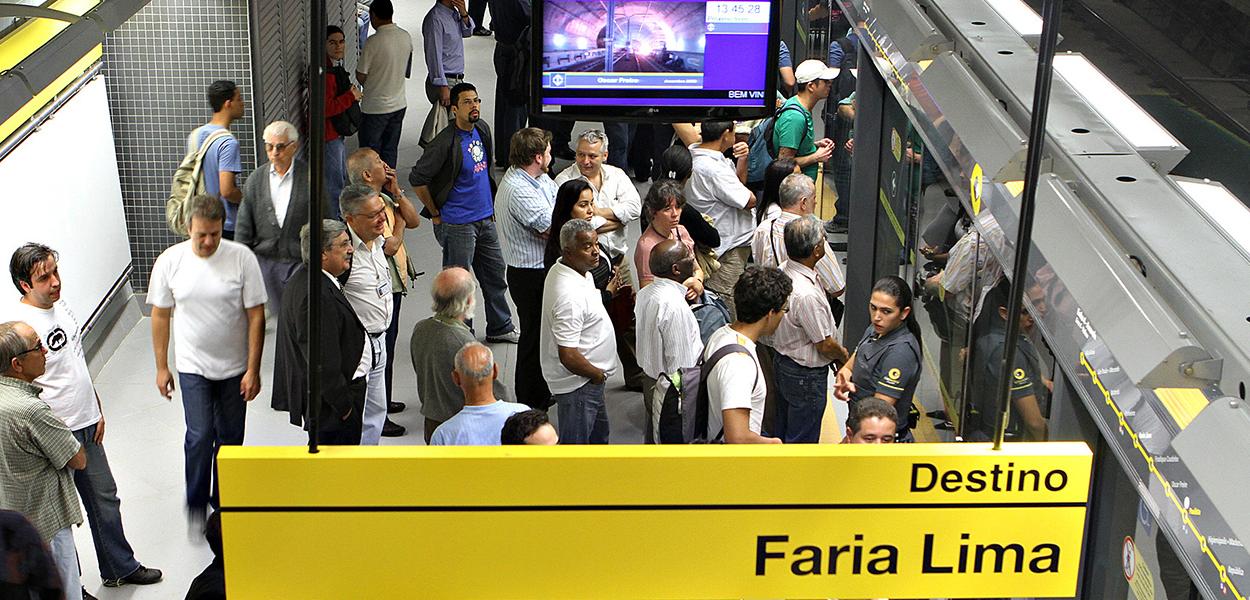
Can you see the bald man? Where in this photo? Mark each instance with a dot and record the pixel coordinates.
(435, 342)
(667, 333)
(483, 416)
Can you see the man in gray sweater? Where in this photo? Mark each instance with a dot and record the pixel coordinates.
(274, 207)
(435, 342)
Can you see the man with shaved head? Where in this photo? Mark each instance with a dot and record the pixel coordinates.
(668, 334)
(483, 416)
(435, 342)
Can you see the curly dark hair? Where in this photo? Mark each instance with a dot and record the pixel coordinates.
(522, 425)
(870, 408)
(760, 291)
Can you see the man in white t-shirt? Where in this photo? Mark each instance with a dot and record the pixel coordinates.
(736, 387)
(717, 189)
(69, 392)
(577, 343)
(617, 204)
(219, 335)
(384, 64)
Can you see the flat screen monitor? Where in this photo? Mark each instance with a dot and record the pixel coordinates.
(655, 60)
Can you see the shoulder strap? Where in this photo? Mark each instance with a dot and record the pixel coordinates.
(208, 141)
(724, 351)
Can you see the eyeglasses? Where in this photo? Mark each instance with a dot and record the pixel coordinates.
(278, 147)
(372, 215)
(38, 347)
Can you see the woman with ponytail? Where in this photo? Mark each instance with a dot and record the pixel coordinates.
(886, 362)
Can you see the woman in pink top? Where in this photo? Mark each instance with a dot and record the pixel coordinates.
(663, 205)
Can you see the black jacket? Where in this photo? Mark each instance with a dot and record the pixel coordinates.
(342, 343)
(440, 165)
(257, 226)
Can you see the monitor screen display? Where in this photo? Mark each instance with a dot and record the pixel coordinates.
(685, 55)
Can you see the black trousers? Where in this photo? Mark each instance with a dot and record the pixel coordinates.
(526, 287)
(339, 432)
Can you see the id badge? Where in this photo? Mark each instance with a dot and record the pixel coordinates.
(384, 288)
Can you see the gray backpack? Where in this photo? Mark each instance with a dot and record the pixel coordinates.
(188, 182)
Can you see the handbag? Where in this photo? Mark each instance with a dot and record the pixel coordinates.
(346, 123)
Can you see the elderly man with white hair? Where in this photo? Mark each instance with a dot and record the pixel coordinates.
(797, 198)
(435, 341)
(274, 207)
(577, 344)
(481, 420)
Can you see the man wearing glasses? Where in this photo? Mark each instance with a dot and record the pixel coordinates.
(274, 207)
(35, 450)
(454, 181)
(68, 391)
(367, 285)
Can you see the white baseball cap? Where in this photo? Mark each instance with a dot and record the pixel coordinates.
(811, 70)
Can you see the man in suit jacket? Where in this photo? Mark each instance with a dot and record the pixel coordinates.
(274, 207)
(345, 355)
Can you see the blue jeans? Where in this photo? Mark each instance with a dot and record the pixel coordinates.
(381, 132)
(65, 557)
(583, 415)
(802, 393)
(475, 246)
(98, 491)
(216, 414)
(335, 175)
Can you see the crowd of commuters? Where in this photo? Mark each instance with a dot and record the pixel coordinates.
(736, 279)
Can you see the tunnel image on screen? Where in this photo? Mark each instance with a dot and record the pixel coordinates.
(623, 36)
(654, 53)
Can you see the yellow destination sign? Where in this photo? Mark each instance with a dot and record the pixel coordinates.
(908, 520)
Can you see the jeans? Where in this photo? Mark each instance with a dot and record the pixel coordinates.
(527, 293)
(392, 333)
(381, 132)
(802, 395)
(510, 116)
(620, 136)
(335, 175)
(216, 415)
(374, 417)
(65, 556)
(475, 246)
(275, 273)
(583, 415)
(99, 495)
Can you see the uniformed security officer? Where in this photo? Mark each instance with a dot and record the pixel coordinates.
(886, 362)
(1027, 387)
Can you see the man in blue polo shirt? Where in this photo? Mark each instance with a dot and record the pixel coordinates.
(483, 416)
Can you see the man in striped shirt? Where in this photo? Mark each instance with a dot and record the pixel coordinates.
(528, 196)
(806, 341)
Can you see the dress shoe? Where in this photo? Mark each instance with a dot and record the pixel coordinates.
(141, 576)
(481, 31)
(392, 429)
(395, 407)
(512, 337)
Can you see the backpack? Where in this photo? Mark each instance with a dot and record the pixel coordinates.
(763, 150)
(683, 414)
(188, 182)
(711, 313)
(347, 122)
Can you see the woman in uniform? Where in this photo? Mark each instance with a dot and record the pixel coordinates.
(886, 362)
